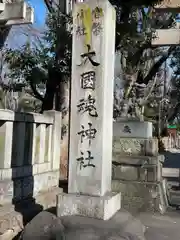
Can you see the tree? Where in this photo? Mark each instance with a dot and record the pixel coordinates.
(174, 106)
(140, 61)
(48, 61)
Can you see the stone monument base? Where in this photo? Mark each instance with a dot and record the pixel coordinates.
(89, 206)
(142, 196)
(132, 128)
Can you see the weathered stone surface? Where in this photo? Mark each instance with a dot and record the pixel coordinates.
(13, 216)
(135, 146)
(150, 173)
(18, 146)
(16, 10)
(92, 176)
(90, 145)
(161, 227)
(45, 181)
(6, 132)
(6, 192)
(125, 173)
(136, 129)
(29, 18)
(56, 138)
(141, 197)
(91, 206)
(27, 186)
(120, 227)
(44, 226)
(136, 160)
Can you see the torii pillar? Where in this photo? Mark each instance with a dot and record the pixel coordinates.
(13, 13)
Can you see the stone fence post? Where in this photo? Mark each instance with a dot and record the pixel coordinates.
(56, 138)
(29, 154)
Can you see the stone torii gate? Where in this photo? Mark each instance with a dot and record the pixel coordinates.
(13, 13)
(166, 37)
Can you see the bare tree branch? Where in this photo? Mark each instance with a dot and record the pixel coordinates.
(49, 6)
(35, 92)
(157, 65)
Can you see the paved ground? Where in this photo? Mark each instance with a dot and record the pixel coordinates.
(161, 227)
(165, 227)
(122, 226)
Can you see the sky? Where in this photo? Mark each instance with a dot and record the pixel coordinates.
(16, 36)
(40, 11)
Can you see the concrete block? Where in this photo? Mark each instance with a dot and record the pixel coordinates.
(6, 136)
(56, 138)
(137, 160)
(40, 143)
(141, 196)
(44, 167)
(16, 10)
(29, 18)
(18, 144)
(38, 118)
(45, 181)
(6, 191)
(148, 173)
(135, 146)
(6, 115)
(29, 144)
(48, 144)
(132, 129)
(128, 173)
(96, 207)
(6, 174)
(154, 173)
(26, 186)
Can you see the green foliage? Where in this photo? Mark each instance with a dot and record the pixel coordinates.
(33, 63)
(48, 61)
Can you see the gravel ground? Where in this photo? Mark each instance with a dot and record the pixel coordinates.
(161, 227)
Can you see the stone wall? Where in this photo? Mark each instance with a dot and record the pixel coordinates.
(29, 154)
(137, 173)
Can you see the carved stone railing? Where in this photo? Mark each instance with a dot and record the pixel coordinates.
(29, 154)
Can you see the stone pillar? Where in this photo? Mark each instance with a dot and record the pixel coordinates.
(137, 167)
(19, 131)
(40, 142)
(90, 150)
(56, 138)
(6, 142)
(6, 136)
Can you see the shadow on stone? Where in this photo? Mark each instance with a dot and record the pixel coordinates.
(22, 168)
(44, 226)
